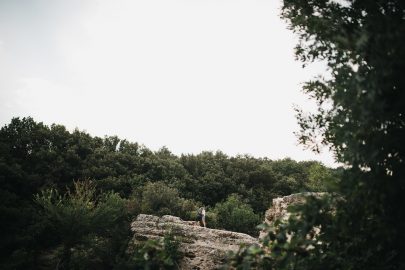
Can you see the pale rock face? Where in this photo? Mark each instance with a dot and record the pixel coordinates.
(279, 207)
(203, 248)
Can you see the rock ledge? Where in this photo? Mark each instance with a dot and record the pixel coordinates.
(203, 248)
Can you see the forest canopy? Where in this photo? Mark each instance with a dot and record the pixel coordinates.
(48, 170)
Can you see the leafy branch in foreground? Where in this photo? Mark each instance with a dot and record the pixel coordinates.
(291, 243)
(160, 253)
(361, 118)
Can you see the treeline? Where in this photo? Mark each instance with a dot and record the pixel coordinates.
(46, 169)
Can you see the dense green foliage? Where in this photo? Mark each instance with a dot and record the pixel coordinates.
(361, 117)
(39, 165)
(160, 199)
(154, 254)
(235, 215)
(89, 230)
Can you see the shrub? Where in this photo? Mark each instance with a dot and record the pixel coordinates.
(160, 199)
(161, 253)
(235, 215)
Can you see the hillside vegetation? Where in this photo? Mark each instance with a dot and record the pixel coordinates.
(68, 197)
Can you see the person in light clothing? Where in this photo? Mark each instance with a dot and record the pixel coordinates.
(201, 216)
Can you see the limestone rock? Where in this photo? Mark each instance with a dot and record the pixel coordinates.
(203, 248)
(279, 207)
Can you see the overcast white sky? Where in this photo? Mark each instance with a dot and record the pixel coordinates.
(191, 75)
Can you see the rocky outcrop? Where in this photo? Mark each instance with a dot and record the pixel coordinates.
(203, 248)
(279, 208)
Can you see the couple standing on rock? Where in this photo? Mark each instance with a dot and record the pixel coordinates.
(201, 216)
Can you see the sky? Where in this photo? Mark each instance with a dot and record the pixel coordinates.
(191, 75)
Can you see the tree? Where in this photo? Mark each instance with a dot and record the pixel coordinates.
(24, 164)
(320, 178)
(82, 221)
(361, 118)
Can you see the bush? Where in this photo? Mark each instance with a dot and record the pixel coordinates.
(163, 253)
(235, 215)
(160, 199)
